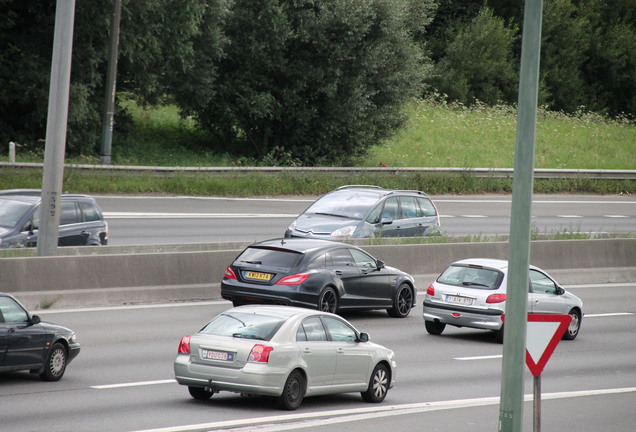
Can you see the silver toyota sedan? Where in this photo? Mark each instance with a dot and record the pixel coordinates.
(472, 293)
(285, 352)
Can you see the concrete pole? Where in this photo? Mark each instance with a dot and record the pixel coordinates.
(56, 125)
(111, 79)
(514, 350)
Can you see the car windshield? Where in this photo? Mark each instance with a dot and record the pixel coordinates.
(345, 203)
(12, 211)
(471, 276)
(243, 325)
(268, 257)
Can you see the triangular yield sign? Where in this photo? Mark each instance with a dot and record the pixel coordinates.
(543, 333)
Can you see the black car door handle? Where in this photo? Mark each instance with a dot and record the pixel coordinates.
(11, 329)
(338, 272)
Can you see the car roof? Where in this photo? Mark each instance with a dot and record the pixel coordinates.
(484, 262)
(34, 198)
(379, 190)
(304, 245)
(280, 311)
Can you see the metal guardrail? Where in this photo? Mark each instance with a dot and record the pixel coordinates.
(540, 173)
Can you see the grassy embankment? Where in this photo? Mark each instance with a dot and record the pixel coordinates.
(436, 135)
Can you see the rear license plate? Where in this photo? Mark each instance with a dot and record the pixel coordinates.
(217, 355)
(459, 300)
(258, 276)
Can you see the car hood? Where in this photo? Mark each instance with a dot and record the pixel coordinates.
(323, 223)
(3, 231)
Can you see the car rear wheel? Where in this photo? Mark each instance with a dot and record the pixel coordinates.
(402, 303)
(55, 364)
(199, 393)
(293, 392)
(378, 385)
(434, 327)
(575, 325)
(328, 301)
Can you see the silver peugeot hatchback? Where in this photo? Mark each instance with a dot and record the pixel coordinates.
(472, 293)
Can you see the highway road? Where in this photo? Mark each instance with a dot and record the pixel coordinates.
(123, 380)
(169, 220)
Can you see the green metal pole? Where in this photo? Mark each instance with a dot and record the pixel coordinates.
(111, 79)
(514, 350)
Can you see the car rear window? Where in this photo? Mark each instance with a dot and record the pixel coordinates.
(471, 276)
(243, 325)
(268, 257)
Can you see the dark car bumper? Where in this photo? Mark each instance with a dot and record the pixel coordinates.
(73, 351)
(240, 293)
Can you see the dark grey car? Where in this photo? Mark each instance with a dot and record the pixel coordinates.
(26, 343)
(81, 221)
(367, 211)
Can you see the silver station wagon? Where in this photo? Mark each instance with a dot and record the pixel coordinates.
(472, 293)
(285, 352)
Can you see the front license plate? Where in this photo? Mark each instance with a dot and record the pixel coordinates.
(258, 276)
(459, 300)
(217, 355)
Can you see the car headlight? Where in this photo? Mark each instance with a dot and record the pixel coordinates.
(344, 231)
(292, 226)
(72, 339)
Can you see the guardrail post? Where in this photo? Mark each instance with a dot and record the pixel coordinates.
(12, 152)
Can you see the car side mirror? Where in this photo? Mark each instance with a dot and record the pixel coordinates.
(35, 319)
(363, 337)
(379, 264)
(560, 290)
(386, 221)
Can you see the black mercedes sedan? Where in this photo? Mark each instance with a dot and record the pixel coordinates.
(318, 274)
(26, 343)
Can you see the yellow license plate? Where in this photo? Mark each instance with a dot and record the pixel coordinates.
(258, 276)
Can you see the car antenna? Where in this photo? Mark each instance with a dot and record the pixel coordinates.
(282, 242)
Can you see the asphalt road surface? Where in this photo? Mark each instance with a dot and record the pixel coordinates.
(169, 220)
(123, 380)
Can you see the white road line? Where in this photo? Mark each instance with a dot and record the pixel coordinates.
(474, 216)
(615, 216)
(305, 420)
(608, 314)
(148, 215)
(569, 216)
(132, 384)
(489, 357)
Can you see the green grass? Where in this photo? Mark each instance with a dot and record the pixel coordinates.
(436, 135)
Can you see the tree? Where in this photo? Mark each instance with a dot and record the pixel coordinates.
(320, 81)
(479, 63)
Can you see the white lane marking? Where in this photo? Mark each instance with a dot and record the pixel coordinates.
(303, 420)
(127, 307)
(569, 216)
(149, 215)
(603, 315)
(615, 216)
(489, 357)
(133, 384)
(473, 216)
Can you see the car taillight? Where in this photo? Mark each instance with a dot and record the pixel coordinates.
(496, 298)
(229, 274)
(296, 279)
(260, 353)
(184, 345)
(431, 290)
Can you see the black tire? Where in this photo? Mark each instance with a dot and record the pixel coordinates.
(199, 393)
(378, 384)
(499, 335)
(434, 327)
(293, 391)
(328, 301)
(55, 364)
(402, 303)
(575, 325)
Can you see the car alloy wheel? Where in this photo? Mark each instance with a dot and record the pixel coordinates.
(328, 301)
(55, 364)
(402, 303)
(574, 327)
(378, 385)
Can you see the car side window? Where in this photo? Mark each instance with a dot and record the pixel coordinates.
(311, 330)
(410, 208)
(391, 208)
(69, 214)
(340, 258)
(541, 284)
(89, 212)
(427, 206)
(338, 330)
(375, 215)
(362, 259)
(11, 311)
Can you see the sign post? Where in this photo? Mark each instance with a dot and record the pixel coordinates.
(543, 333)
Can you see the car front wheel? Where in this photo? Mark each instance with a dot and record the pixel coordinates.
(575, 325)
(434, 327)
(55, 364)
(378, 385)
(402, 303)
(328, 301)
